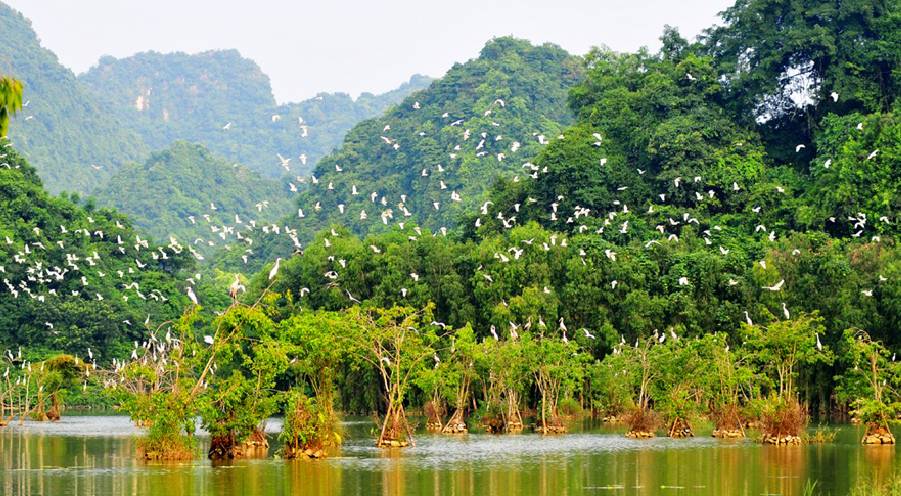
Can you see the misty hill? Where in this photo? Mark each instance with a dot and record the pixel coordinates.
(80, 130)
(167, 97)
(62, 129)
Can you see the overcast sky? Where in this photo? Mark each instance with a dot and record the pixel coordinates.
(352, 46)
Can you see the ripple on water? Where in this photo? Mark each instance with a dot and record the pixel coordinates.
(102, 426)
(489, 452)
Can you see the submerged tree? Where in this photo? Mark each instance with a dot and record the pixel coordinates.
(158, 388)
(239, 380)
(53, 377)
(396, 341)
(727, 380)
(505, 377)
(678, 389)
(870, 384)
(460, 372)
(432, 382)
(315, 347)
(309, 429)
(557, 369)
(636, 367)
(780, 349)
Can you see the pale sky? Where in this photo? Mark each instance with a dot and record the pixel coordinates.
(351, 46)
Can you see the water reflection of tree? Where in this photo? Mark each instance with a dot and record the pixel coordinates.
(880, 463)
(785, 469)
(307, 477)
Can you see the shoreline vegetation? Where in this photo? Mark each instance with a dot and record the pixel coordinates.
(708, 234)
(229, 380)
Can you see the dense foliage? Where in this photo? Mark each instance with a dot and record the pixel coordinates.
(679, 246)
(74, 276)
(433, 157)
(203, 193)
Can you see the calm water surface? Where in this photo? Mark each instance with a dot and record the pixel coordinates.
(91, 455)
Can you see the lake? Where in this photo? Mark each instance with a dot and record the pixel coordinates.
(88, 455)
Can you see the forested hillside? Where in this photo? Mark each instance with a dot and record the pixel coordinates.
(673, 203)
(75, 276)
(75, 144)
(224, 101)
(433, 158)
(204, 194)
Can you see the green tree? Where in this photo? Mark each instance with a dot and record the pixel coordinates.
(870, 382)
(10, 102)
(397, 342)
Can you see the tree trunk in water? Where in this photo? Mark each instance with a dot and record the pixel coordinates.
(396, 431)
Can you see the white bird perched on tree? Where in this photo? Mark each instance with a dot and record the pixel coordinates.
(819, 344)
(208, 339)
(785, 311)
(235, 287)
(274, 269)
(748, 319)
(494, 333)
(192, 296)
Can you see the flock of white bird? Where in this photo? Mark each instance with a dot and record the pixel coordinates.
(241, 234)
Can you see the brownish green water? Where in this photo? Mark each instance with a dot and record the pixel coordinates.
(95, 456)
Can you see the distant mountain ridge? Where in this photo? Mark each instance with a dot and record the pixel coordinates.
(62, 130)
(80, 130)
(225, 101)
